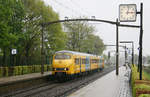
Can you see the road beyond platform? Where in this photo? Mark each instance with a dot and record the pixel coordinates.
(109, 85)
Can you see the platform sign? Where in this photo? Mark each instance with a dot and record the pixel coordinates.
(127, 12)
(14, 51)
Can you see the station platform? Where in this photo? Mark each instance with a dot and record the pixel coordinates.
(109, 85)
(12, 79)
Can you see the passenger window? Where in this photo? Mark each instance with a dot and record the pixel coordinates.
(83, 61)
(87, 61)
(76, 61)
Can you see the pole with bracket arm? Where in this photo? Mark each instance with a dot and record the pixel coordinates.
(117, 48)
(140, 41)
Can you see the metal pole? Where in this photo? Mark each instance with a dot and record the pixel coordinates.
(42, 52)
(141, 38)
(132, 53)
(117, 48)
(125, 55)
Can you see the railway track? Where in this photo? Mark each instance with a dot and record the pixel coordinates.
(55, 89)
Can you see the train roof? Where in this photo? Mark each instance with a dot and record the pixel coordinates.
(77, 53)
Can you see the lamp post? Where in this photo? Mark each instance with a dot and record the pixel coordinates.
(132, 49)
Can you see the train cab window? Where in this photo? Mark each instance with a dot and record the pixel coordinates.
(76, 61)
(62, 56)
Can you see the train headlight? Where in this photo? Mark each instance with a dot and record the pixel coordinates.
(54, 69)
(66, 69)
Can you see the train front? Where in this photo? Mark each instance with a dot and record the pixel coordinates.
(62, 65)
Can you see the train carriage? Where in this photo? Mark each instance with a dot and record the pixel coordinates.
(70, 63)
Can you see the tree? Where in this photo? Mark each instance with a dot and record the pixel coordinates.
(81, 38)
(20, 28)
(12, 14)
(76, 33)
(93, 44)
(36, 13)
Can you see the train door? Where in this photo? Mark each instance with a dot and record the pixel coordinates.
(87, 65)
(80, 64)
(100, 63)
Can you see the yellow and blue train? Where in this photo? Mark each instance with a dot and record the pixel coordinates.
(70, 63)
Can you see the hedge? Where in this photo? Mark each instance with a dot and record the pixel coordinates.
(144, 95)
(20, 70)
(139, 85)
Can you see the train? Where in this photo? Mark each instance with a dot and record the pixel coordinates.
(70, 64)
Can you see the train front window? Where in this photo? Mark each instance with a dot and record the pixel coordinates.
(62, 57)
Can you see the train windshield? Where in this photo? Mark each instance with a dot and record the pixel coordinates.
(62, 56)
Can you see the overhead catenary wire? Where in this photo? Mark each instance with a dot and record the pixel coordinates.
(81, 8)
(66, 7)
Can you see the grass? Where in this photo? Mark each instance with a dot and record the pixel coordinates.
(147, 75)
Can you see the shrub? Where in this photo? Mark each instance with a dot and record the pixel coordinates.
(11, 70)
(37, 68)
(144, 95)
(45, 68)
(29, 69)
(25, 69)
(5, 71)
(49, 67)
(20, 70)
(1, 72)
(16, 70)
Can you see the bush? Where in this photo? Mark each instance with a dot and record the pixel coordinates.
(25, 69)
(1, 72)
(45, 68)
(16, 70)
(11, 70)
(139, 84)
(30, 69)
(37, 68)
(144, 95)
(20, 70)
(49, 67)
(147, 76)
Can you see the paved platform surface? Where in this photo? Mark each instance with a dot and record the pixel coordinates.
(109, 85)
(5, 80)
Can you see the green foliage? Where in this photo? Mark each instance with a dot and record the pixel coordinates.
(144, 95)
(147, 75)
(81, 38)
(20, 28)
(45, 67)
(16, 71)
(141, 86)
(25, 69)
(49, 67)
(5, 71)
(37, 68)
(29, 69)
(1, 72)
(93, 44)
(11, 24)
(21, 70)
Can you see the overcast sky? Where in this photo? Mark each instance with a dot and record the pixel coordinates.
(108, 10)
